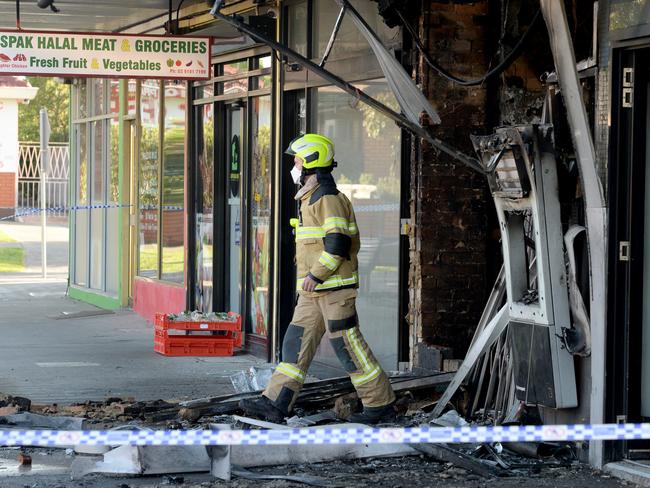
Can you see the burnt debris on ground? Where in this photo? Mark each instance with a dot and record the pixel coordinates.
(323, 402)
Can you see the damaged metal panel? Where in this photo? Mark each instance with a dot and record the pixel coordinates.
(522, 176)
(411, 100)
(579, 340)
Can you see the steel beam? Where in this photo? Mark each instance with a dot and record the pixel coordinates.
(419, 131)
(565, 64)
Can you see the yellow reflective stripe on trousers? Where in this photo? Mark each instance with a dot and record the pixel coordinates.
(365, 378)
(291, 371)
(329, 261)
(334, 281)
(358, 348)
(370, 370)
(309, 233)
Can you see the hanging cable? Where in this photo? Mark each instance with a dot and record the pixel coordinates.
(330, 43)
(18, 14)
(178, 9)
(507, 61)
(169, 20)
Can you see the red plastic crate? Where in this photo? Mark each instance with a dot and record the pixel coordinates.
(224, 337)
(163, 322)
(189, 345)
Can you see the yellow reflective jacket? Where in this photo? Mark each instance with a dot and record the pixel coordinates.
(327, 238)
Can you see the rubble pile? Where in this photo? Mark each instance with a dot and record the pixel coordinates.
(321, 403)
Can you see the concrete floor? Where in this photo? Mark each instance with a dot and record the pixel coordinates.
(65, 360)
(49, 358)
(28, 236)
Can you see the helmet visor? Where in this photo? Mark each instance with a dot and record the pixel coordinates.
(289, 149)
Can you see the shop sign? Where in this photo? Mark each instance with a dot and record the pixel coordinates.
(39, 53)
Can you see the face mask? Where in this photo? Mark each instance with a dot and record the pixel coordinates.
(295, 174)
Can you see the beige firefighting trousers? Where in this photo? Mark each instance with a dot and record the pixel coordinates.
(335, 312)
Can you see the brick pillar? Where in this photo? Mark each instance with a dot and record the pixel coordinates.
(8, 192)
(449, 202)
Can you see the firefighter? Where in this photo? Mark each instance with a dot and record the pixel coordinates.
(327, 244)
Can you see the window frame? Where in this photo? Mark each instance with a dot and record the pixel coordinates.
(88, 121)
(137, 116)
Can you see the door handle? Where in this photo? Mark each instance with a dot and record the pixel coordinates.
(624, 251)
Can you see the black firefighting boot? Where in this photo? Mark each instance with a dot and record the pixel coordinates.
(262, 408)
(375, 415)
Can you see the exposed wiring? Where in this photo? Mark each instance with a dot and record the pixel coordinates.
(178, 9)
(507, 61)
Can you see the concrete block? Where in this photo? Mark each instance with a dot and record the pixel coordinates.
(429, 358)
(252, 456)
(451, 365)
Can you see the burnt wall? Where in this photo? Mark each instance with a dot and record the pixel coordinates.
(449, 202)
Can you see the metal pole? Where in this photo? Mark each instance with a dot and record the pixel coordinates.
(45, 166)
(596, 210)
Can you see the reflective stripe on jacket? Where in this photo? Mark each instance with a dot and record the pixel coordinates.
(327, 238)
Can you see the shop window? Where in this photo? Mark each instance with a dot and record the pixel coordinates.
(97, 196)
(297, 27)
(260, 241)
(161, 180)
(238, 86)
(131, 97)
(96, 168)
(367, 147)
(82, 164)
(204, 206)
(349, 40)
(81, 102)
(262, 82)
(80, 215)
(148, 178)
(236, 68)
(351, 54)
(98, 97)
(98, 151)
(113, 211)
(173, 190)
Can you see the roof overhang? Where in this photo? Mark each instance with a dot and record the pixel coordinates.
(85, 16)
(132, 16)
(22, 93)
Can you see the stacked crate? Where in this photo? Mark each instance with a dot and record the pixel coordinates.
(197, 338)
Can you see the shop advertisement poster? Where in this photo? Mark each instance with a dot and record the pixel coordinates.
(61, 54)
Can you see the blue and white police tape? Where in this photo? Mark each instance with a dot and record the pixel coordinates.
(326, 435)
(25, 211)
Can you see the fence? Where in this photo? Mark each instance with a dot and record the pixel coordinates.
(29, 177)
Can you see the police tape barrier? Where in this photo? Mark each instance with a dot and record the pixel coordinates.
(326, 435)
(26, 211)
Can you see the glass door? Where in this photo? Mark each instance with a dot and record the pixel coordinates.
(259, 231)
(204, 177)
(231, 189)
(368, 151)
(234, 209)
